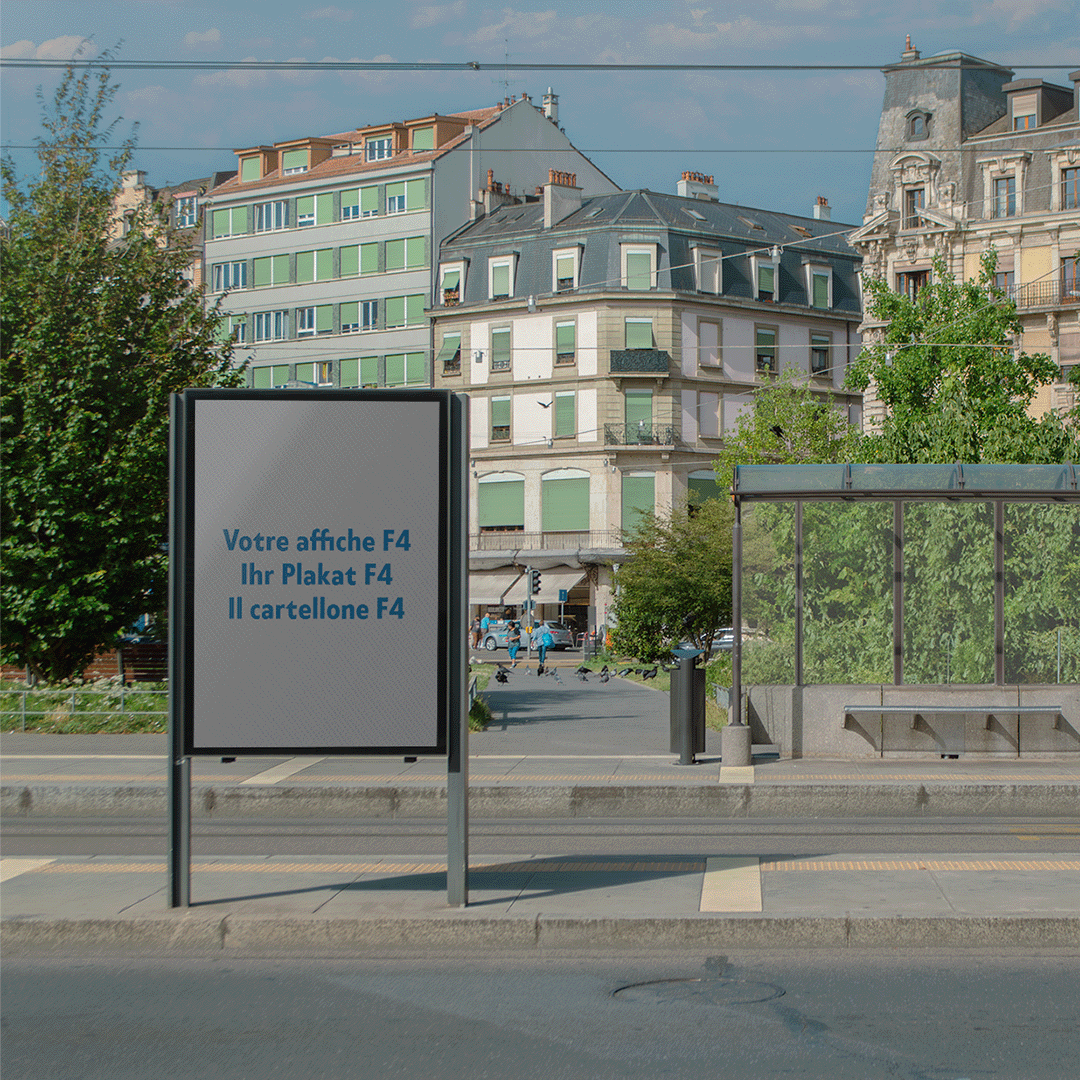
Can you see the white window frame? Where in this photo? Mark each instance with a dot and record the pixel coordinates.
(379, 149)
(509, 427)
(821, 270)
(187, 211)
(565, 253)
(276, 322)
(1061, 160)
(555, 343)
(351, 328)
(638, 249)
(229, 276)
(306, 221)
(449, 268)
(277, 210)
(508, 366)
(305, 321)
(324, 373)
(1014, 164)
(708, 275)
(369, 315)
(238, 329)
(494, 261)
(764, 259)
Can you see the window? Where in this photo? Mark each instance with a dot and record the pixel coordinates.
(271, 325)
(1005, 280)
(315, 265)
(500, 350)
(638, 497)
(766, 282)
(405, 195)
(230, 222)
(233, 327)
(638, 415)
(272, 216)
(638, 267)
(350, 319)
(451, 286)
(564, 270)
(305, 211)
(187, 212)
(765, 348)
(369, 315)
(423, 139)
(707, 273)
(270, 270)
(230, 275)
(500, 502)
(406, 369)
(819, 286)
(500, 419)
(1070, 280)
(709, 343)
(363, 372)
(404, 310)
(911, 281)
(1004, 197)
(405, 254)
(917, 127)
(293, 162)
(565, 415)
(639, 334)
(564, 501)
(350, 204)
(266, 378)
(1070, 189)
(349, 260)
(820, 348)
(565, 343)
(250, 169)
(501, 278)
(914, 202)
(314, 320)
(379, 149)
(324, 374)
(1024, 111)
(450, 354)
(305, 321)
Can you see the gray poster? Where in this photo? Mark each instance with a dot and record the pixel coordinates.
(316, 573)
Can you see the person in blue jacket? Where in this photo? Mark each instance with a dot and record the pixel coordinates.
(513, 642)
(546, 641)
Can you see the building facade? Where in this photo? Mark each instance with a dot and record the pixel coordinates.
(607, 344)
(970, 159)
(321, 249)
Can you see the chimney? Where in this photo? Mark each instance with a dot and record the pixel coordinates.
(909, 54)
(695, 185)
(562, 197)
(821, 209)
(551, 106)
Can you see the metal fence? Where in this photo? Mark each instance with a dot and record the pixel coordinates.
(80, 702)
(519, 541)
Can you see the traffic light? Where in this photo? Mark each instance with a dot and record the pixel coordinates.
(534, 582)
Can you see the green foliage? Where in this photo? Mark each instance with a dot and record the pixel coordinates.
(676, 584)
(479, 714)
(96, 334)
(953, 385)
(102, 707)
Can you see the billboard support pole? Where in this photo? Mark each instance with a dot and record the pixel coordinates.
(179, 871)
(457, 762)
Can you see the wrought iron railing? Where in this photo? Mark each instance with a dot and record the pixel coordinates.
(543, 541)
(639, 434)
(1046, 293)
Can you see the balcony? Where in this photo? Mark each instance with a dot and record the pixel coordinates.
(546, 541)
(639, 362)
(639, 434)
(1050, 294)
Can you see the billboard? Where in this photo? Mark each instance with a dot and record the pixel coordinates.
(311, 555)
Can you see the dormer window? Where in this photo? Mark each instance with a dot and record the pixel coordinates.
(451, 279)
(293, 162)
(1025, 111)
(564, 269)
(187, 211)
(918, 125)
(378, 149)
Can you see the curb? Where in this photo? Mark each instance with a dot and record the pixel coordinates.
(461, 932)
(715, 801)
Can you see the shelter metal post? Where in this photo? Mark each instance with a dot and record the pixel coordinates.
(798, 592)
(736, 616)
(999, 592)
(898, 593)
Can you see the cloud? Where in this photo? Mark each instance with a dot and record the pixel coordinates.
(742, 33)
(331, 12)
(238, 78)
(1018, 14)
(207, 37)
(435, 14)
(514, 24)
(61, 48)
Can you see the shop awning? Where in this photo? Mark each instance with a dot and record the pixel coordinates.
(551, 582)
(488, 586)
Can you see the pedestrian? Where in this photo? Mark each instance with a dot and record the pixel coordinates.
(546, 641)
(485, 625)
(474, 630)
(513, 642)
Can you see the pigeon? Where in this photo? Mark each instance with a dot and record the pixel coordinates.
(604, 670)
(604, 676)
(625, 671)
(639, 671)
(501, 676)
(651, 674)
(583, 670)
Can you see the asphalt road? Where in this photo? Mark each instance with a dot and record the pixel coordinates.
(955, 1015)
(609, 836)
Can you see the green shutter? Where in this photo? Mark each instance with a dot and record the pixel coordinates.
(450, 279)
(324, 264)
(766, 339)
(414, 252)
(821, 290)
(369, 258)
(305, 266)
(697, 491)
(638, 407)
(565, 339)
(324, 208)
(262, 378)
(324, 318)
(638, 497)
(395, 311)
(500, 281)
(393, 191)
(414, 195)
(414, 309)
(239, 220)
(638, 270)
(451, 346)
(350, 313)
(423, 139)
(262, 273)
(349, 197)
(564, 267)
(565, 505)
(500, 347)
(500, 412)
(766, 277)
(281, 269)
(395, 255)
(350, 372)
(369, 200)
(305, 205)
(294, 159)
(565, 418)
(395, 369)
(281, 374)
(222, 225)
(501, 504)
(350, 261)
(415, 368)
(369, 371)
(305, 372)
(251, 169)
(639, 334)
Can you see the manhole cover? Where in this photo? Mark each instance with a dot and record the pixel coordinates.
(703, 991)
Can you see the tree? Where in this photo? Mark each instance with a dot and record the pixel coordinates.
(676, 583)
(953, 385)
(96, 334)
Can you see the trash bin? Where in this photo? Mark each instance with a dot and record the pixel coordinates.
(687, 707)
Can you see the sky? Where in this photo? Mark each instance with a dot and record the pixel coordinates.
(774, 140)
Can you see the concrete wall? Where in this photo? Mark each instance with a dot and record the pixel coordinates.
(809, 721)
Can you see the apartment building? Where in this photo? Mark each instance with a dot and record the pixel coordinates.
(321, 248)
(607, 344)
(968, 159)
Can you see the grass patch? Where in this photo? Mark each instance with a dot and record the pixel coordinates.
(102, 707)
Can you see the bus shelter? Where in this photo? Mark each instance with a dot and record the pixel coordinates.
(914, 591)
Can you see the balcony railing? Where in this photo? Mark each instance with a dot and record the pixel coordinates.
(639, 434)
(639, 362)
(1046, 293)
(543, 541)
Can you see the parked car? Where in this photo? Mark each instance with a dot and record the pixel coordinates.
(496, 636)
(561, 634)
